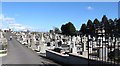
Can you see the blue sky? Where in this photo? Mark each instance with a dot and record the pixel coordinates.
(43, 16)
(119, 9)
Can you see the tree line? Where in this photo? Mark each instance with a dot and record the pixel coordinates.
(109, 25)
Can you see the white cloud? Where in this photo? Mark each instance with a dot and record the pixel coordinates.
(6, 19)
(8, 22)
(0, 25)
(1, 17)
(90, 8)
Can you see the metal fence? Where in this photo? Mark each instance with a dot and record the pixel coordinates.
(104, 48)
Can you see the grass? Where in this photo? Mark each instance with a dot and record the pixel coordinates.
(3, 52)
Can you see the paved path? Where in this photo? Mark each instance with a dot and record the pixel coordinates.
(19, 54)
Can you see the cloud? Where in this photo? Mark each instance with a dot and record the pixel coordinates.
(90, 8)
(0, 24)
(6, 19)
(9, 22)
(1, 17)
(18, 26)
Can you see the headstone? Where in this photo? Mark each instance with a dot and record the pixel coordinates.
(89, 36)
(43, 48)
(33, 46)
(69, 42)
(73, 38)
(69, 38)
(50, 35)
(78, 38)
(94, 38)
(74, 48)
(104, 38)
(34, 40)
(42, 38)
(38, 48)
(116, 44)
(90, 46)
(1, 35)
(84, 43)
(84, 47)
(56, 44)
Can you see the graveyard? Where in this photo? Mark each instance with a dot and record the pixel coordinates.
(3, 44)
(96, 47)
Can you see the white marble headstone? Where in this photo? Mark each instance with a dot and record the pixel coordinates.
(42, 38)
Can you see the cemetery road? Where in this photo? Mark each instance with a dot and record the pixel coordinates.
(19, 54)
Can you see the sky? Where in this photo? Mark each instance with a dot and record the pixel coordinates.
(60, 0)
(119, 9)
(43, 16)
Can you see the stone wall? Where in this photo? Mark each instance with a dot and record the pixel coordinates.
(74, 59)
(57, 56)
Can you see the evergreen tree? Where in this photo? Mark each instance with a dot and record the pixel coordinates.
(51, 31)
(90, 27)
(68, 29)
(83, 28)
(56, 30)
(118, 26)
(111, 25)
(105, 24)
(96, 23)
